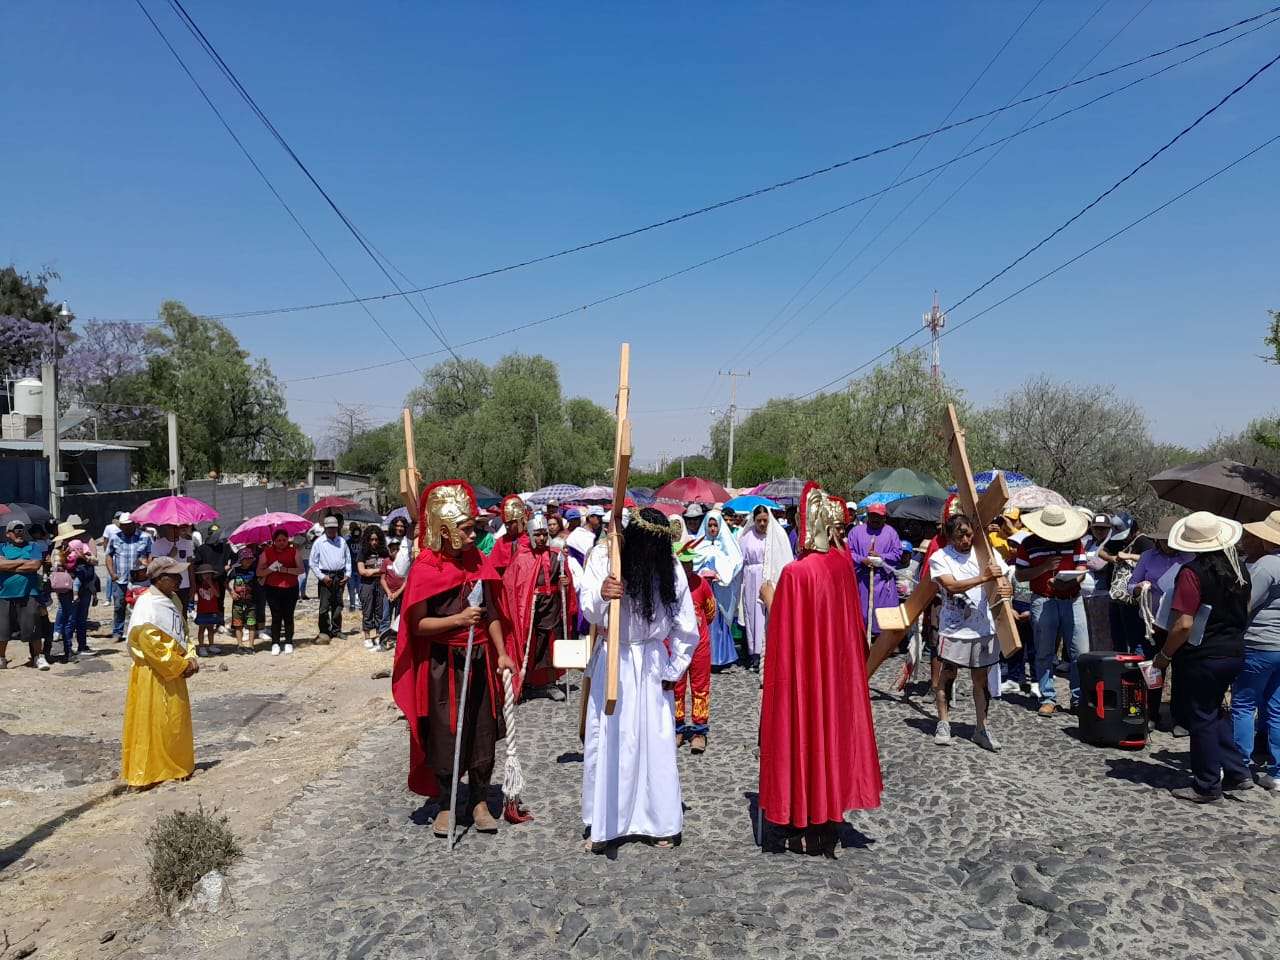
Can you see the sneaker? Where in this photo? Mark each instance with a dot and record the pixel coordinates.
(275, 649)
(986, 741)
(42, 663)
(942, 734)
(86, 649)
(215, 649)
(1266, 781)
(116, 638)
(369, 644)
(1181, 732)
(1240, 786)
(201, 650)
(555, 693)
(1047, 709)
(263, 635)
(1035, 690)
(288, 648)
(57, 637)
(1010, 686)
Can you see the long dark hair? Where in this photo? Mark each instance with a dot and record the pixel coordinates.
(648, 568)
(373, 532)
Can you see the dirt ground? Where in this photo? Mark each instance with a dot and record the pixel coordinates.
(72, 862)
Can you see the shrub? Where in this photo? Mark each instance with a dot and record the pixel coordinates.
(182, 847)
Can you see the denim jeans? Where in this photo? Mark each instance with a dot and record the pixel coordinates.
(1015, 667)
(1203, 684)
(1257, 688)
(68, 619)
(1053, 619)
(120, 610)
(302, 580)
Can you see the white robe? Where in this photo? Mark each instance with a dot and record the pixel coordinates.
(630, 782)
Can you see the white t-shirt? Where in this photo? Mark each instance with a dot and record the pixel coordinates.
(180, 550)
(965, 616)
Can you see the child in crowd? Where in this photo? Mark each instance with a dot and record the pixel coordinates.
(243, 582)
(208, 611)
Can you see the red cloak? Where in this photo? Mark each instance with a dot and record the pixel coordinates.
(504, 548)
(818, 753)
(516, 606)
(432, 574)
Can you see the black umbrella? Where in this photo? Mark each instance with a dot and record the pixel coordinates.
(484, 496)
(1233, 490)
(923, 508)
(28, 513)
(361, 515)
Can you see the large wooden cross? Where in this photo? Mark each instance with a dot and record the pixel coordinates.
(409, 475)
(894, 624)
(621, 473)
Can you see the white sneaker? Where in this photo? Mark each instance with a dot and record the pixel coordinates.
(275, 649)
(1010, 686)
(368, 644)
(263, 635)
(942, 734)
(42, 663)
(1035, 690)
(984, 739)
(288, 648)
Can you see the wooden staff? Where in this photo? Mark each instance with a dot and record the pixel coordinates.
(621, 471)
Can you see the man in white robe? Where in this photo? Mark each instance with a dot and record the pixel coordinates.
(630, 782)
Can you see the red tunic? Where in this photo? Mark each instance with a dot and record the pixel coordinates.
(504, 548)
(818, 754)
(519, 588)
(431, 575)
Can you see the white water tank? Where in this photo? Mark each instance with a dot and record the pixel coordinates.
(28, 397)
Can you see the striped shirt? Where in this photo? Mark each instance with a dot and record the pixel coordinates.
(1034, 552)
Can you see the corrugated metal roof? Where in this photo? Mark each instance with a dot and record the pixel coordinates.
(69, 446)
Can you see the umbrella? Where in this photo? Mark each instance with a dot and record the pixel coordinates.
(362, 514)
(749, 501)
(926, 509)
(783, 491)
(485, 497)
(596, 494)
(1230, 489)
(670, 509)
(1012, 478)
(884, 496)
(331, 505)
(261, 528)
(642, 495)
(560, 492)
(901, 480)
(401, 512)
(1034, 497)
(28, 513)
(174, 510)
(692, 489)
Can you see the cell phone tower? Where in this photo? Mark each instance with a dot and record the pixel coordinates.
(934, 321)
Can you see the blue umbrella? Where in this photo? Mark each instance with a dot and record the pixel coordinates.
(987, 477)
(748, 502)
(881, 496)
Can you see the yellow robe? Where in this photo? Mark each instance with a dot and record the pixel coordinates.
(157, 743)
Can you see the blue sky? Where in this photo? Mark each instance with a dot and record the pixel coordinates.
(461, 137)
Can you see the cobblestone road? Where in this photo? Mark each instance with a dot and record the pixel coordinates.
(1049, 849)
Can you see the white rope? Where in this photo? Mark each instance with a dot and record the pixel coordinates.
(512, 775)
(1144, 608)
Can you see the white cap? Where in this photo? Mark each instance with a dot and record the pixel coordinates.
(331, 523)
(595, 511)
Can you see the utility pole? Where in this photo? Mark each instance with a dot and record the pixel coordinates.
(174, 473)
(49, 417)
(934, 321)
(733, 416)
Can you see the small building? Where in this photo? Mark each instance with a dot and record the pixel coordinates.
(91, 466)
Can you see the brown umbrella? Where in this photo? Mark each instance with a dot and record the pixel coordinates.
(1233, 490)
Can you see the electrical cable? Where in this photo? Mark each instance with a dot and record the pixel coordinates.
(791, 181)
(1049, 273)
(231, 77)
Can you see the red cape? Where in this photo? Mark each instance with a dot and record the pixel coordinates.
(501, 553)
(431, 575)
(516, 606)
(818, 754)
(704, 606)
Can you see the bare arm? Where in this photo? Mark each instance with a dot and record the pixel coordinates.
(19, 566)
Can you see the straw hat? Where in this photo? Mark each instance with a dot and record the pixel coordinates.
(1056, 524)
(1268, 529)
(67, 531)
(1204, 532)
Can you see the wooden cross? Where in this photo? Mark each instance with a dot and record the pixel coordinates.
(409, 475)
(621, 472)
(894, 624)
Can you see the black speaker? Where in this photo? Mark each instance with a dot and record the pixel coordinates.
(1113, 700)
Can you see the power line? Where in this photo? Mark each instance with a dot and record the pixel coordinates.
(767, 325)
(270, 186)
(1049, 273)
(271, 127)
(770, 236)
(760, 191)
(982, 166)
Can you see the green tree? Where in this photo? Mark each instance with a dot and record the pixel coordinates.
(372, 451)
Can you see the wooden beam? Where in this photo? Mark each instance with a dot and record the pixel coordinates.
(991, 503)
(621, 472)
(967, 494)
(409, 476)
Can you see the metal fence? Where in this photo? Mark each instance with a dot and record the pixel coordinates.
(24, 479)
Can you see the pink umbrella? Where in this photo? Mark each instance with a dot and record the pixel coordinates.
(685, 489)
(175, 510)
(261, 528)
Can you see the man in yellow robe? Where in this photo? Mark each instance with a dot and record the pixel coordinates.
(158, 743)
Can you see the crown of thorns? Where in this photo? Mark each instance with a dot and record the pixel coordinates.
(648, 526)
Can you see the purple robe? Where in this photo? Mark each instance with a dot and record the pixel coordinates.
(887, 545)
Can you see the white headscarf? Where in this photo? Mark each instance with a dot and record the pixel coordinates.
(777, 547)
(721, 552)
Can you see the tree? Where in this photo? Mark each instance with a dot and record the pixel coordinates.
(1254, 445)
(101, 369)
(372, 451)
(1272, 339)
(344, 426)
(28, 321)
